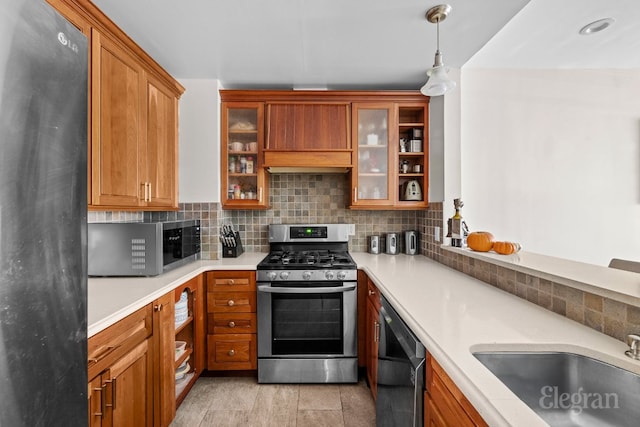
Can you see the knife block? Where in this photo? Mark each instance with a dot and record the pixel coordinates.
(233, 251)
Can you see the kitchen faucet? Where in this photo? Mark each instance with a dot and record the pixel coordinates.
(634, 346)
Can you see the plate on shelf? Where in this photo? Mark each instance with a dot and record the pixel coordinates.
(182, 371)
(242, 126)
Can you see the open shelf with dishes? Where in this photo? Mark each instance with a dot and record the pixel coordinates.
(413, 155)
(189, 338)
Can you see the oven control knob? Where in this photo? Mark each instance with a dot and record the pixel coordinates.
(306, 275)
(342, 275)
(284, 275)
(272, 275)
(329, 275)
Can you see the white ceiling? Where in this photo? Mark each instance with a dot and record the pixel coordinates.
(370, 44)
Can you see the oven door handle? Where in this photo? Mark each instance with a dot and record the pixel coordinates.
(326, 290)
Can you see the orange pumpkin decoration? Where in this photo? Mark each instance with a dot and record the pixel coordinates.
(480, 241)
(506, 248)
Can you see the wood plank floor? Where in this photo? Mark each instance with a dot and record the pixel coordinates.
(241, 401)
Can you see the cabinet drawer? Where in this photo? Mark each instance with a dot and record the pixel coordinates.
(111, 344)
(232, 351)
(231, 323)
(231, 281)
(231, 302)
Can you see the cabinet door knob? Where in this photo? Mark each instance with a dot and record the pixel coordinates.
(230, 282)
(231, 352)
(157, 307)
(371, 292)
(231, 303)
(232, 324)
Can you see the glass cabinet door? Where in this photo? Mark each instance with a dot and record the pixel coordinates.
(372, 169)
(242, 140)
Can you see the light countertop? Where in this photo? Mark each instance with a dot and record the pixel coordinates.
(451, 313)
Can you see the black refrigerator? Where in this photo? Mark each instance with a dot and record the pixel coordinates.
(43, 215)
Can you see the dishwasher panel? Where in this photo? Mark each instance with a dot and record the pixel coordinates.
(401, 359)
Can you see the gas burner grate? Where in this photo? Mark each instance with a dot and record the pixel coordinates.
(302, 258)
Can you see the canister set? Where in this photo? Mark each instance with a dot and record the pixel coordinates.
(394, 243)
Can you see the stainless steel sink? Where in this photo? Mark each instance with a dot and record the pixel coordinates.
(568, 389)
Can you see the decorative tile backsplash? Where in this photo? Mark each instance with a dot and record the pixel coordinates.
(314, 199)
(294, 198)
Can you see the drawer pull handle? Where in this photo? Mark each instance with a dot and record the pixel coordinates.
(231, 303)
(103, 354)
(232, 324)
(231, 352)
(231, 282)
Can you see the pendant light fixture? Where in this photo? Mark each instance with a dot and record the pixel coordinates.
(438, 81)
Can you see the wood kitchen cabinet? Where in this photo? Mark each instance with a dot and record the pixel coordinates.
(244, 183)
(444, 404)
(161, 144)
(391, 143)
(132, 364)
(133, 118)
(120, 370)
(117, 132)
(372, 335)
(231, 320)
(320, 130)
(134, 140)
(381, 137)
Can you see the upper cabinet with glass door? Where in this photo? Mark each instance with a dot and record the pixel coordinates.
(372, 174)
(391, 171)
(244, 183)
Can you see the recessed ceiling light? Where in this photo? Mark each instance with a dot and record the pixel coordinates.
(597, 26)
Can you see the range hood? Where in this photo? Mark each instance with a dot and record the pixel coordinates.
(308, 161)
(310, 170)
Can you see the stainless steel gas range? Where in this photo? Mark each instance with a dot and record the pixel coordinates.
(307, 306)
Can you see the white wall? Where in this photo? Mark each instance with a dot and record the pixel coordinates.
(444, 148)
(551, 158)
(199, 141)
(452, 146)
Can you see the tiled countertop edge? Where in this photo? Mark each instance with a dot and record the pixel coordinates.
(618, 285)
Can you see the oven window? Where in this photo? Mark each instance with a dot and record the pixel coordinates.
(307, 324)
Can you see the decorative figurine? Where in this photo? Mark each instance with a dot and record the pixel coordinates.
(458, 230)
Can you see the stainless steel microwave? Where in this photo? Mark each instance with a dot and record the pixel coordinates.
(141, 248)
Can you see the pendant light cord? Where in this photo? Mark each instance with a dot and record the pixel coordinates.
(438, 35)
